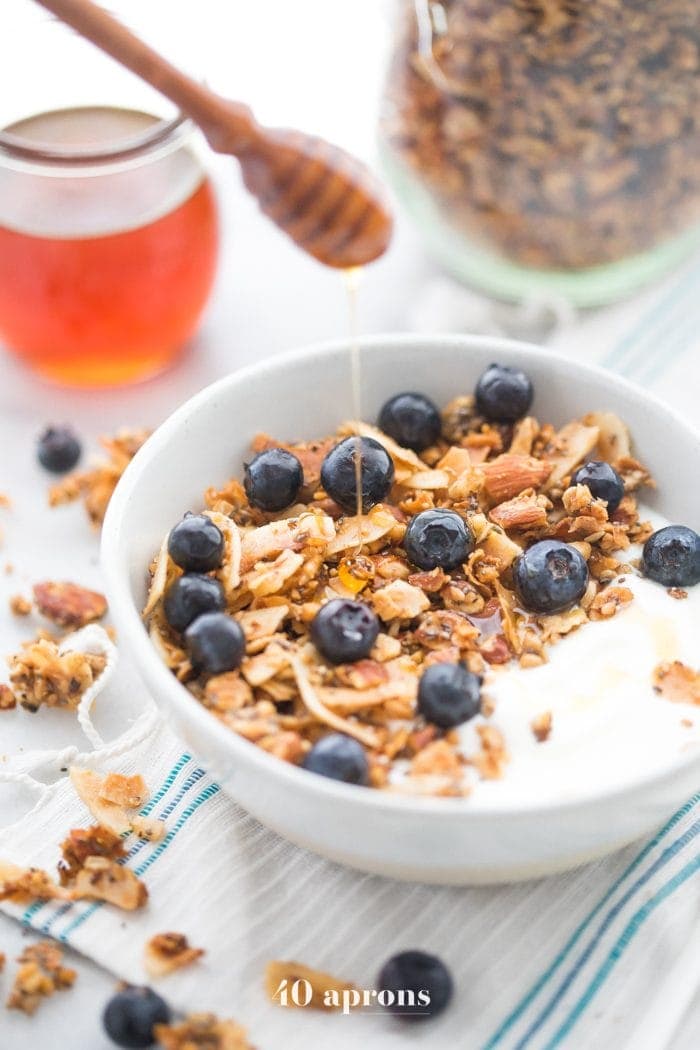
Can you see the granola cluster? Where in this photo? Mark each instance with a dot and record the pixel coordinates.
(95, 486)
(41, 973)
(511, 484)
(564, 135)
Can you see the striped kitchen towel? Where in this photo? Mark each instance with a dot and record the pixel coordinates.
(606, 956)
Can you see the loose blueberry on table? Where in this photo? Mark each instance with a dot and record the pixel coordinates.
(671, 557)
(412, 420)
(603, 482)
(504, 394)
(438, 539)
(58, 449)
(131, 1015)
(273, 479)
(215, 643)
(196, 544)
(338, 757)
(339, 477)
(190, 596)
(550, 576)
(449, 694)
(416, 972)
(344, 630)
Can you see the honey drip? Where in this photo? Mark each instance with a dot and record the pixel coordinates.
(352, 282)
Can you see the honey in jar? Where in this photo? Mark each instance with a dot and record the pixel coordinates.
(108, 243)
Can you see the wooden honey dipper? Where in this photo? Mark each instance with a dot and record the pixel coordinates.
(327, 201)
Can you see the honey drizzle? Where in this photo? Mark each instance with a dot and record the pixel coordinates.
(352, 279)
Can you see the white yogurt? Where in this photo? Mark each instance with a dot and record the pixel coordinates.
(609, 727)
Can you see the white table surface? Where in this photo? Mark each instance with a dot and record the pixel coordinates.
(311, 63)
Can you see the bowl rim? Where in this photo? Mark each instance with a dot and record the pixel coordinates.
(130, 626)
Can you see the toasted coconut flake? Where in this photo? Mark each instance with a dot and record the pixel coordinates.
(166, 952)
(82, 843)
(308, 694)
(326, 990)
(103, 879)
(429, 479)
(270, 577)
(22, 885)
(362, 530)
(524, 433)
(259, 625)
(311, 529)
(613, 436)
(572, 444)
(677, 682)
(130, 792)
(230, 571)
(266, 665)
(89, 787)
(160, 578)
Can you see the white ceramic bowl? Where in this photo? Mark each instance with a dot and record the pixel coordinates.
(306, 394)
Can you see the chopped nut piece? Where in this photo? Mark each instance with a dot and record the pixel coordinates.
(677, 682)
(69, 604)
(399, 601)
(202, 1032)
(541, 726)
(607, 602)
(41, 973)
(19, 605)
(320, 983)
(166, 952)
(523, 512)
(42, 675)
(507, 476)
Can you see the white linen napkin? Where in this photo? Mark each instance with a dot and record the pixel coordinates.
(605, 955)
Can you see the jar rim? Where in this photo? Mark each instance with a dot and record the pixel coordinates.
(158, 135)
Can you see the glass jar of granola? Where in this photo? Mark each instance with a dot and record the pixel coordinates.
(548, 145)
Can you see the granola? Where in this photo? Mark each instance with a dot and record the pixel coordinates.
(40, 974)
(677, 682)
(511, 483)
(95, 487)
(19, 605)
(41, 674)
(575, 148)
(166, 952)
(112, 799)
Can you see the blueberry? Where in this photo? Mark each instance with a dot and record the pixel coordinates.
(603, 481)
(550, 576)
(671, 556)
(196, 544)
(273, 479)
(189, 597)
(130, 1016)
(339, 479)
(58, 449)
(215, 643)
(438, 538)
(449, 694)
(344, 630)
(339, 757)
(412, 420)
(504, 394)
(421, 985)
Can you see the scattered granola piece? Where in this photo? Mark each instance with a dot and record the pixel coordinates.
(68, 604)
(19, 605)
(541, 726)
(608, 601)
(148, 828)
(492, 758)
(8, 700)
(677, 682)
(277, 971)
(103, 879)
(40, 974)
(399, 601)
(130, 792)
(90, 787)
(5, 501)
(95, 841)
(22, 885)
(95, 487)
(2, 961)
(43, 675)
(166, 952)
(202, 1032)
